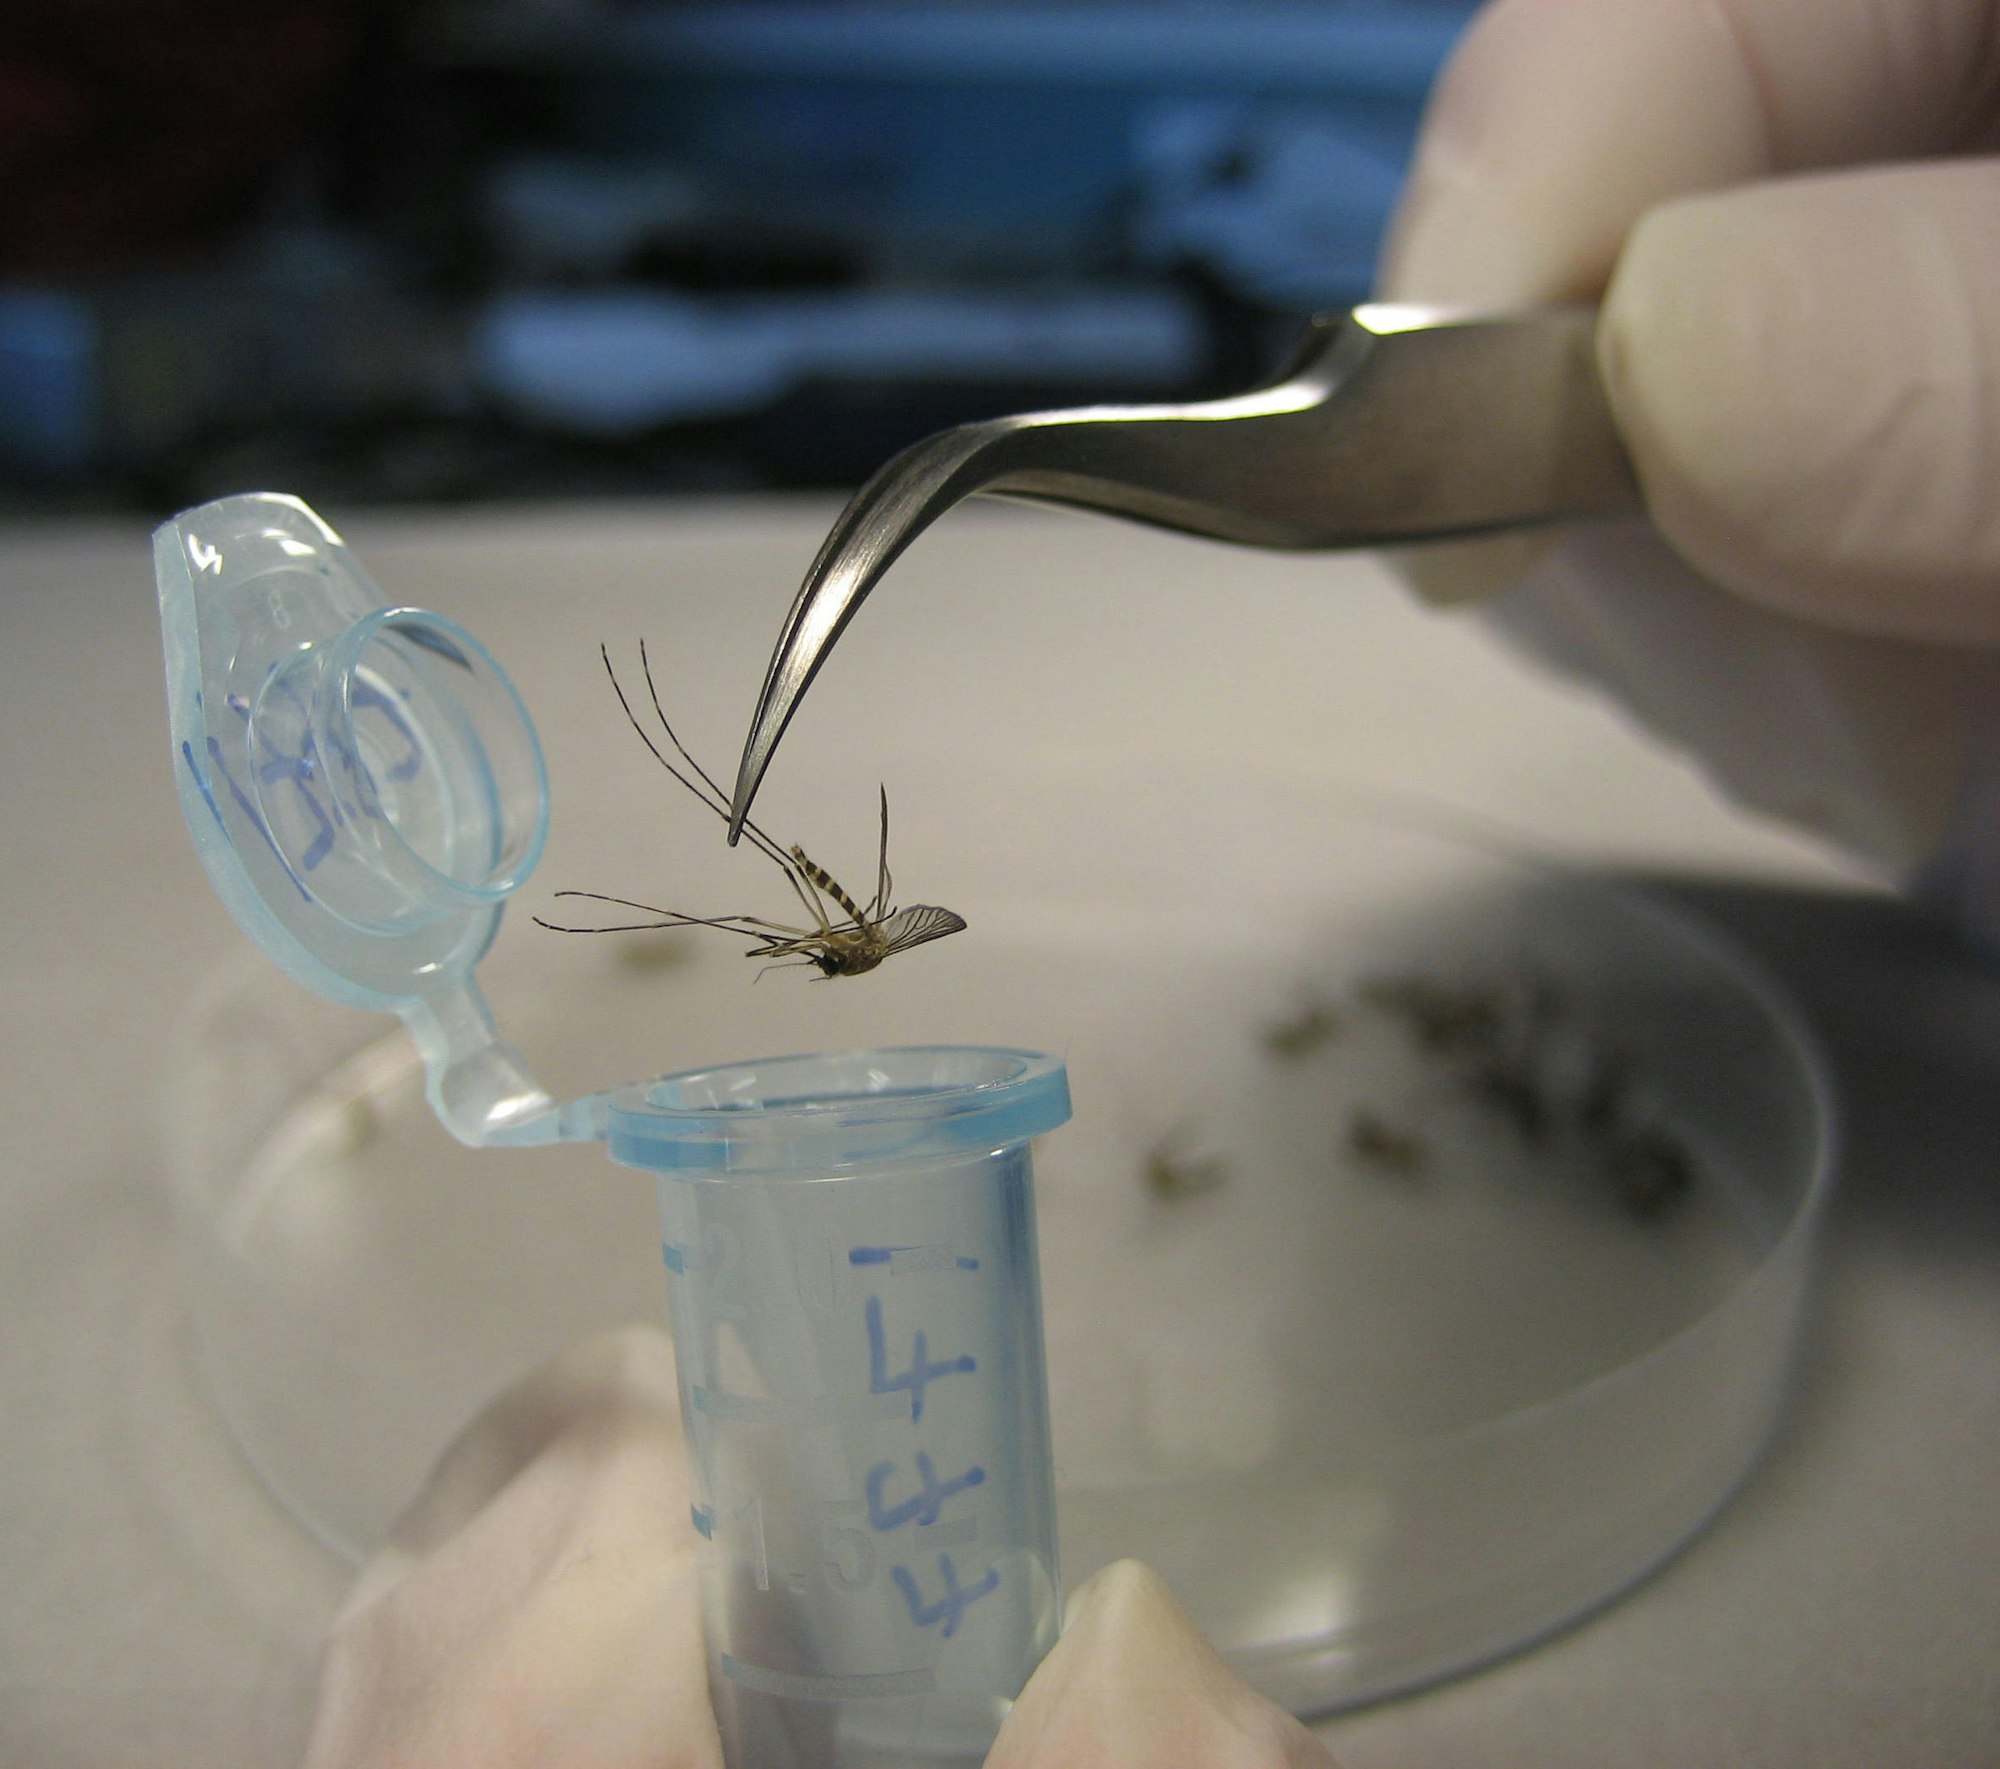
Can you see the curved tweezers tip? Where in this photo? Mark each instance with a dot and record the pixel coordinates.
(898, 502)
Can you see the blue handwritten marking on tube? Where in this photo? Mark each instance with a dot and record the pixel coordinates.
(374, 700)
(676, 1257)
(704, 1523)
(201, 784)
(951, 1607)
(300, 770)
(931, 1493)
(243, 804)
(901, 1259)
(921, 1372)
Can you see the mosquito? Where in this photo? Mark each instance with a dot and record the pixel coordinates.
(846, 948)
(1180, 1166)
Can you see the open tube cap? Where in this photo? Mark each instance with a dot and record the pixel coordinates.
(362, 783)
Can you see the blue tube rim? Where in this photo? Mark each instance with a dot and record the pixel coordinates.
(828, 1112)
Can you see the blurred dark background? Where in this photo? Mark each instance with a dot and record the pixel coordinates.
(387, 250)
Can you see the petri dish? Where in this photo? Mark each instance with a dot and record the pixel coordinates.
(1423, 1266)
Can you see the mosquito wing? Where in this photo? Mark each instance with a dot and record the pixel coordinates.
(916, 925)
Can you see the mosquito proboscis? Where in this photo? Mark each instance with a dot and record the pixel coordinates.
(846, 948)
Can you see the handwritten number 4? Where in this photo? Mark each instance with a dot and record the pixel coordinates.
(951, 1607)
(921, 1372)
(931, 1493)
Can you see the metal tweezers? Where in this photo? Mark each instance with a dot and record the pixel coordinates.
(1390, 424)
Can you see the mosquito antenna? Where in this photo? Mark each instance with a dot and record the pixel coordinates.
(801, 887)
(645, 736)
(646, 665)
(720, 804)
(770, 848)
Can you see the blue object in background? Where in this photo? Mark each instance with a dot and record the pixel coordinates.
(611, 363)
(48, 381)
(1263, 143)
(599, 246)
(1285, 204)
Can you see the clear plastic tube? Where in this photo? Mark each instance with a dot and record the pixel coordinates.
(850, 1247)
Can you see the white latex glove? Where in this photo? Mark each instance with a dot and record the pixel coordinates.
(1805, 363)
(537, 1609)
(1132, 1685)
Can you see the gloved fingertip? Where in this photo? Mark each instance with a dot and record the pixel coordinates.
(1133, 1682)
(1116, 1592)
(622, 1375)
(1554, 126)
(1804, 371)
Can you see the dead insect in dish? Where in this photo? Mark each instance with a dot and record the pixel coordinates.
(1299, 1035)
(1651, 1173)
(1603, 1106)
(1440, 1016)
(837, 948)
(1509, 1085)
(1382, 1145)
(1177, 1167)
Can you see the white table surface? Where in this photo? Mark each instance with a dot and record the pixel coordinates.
(156, 1609)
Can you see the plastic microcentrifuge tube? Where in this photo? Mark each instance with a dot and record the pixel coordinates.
(850, 1247)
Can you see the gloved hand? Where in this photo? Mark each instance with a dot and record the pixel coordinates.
(536, 1609)
(1805, 363)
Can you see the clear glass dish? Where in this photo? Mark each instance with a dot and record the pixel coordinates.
(1424, 1263)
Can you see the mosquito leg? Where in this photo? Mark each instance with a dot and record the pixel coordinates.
(798, 936)
(676, 914)
(622, 903)
(647, 927)
(613, 927)
(789, 964)
(879, 909)
(802, 888)
(753, 926)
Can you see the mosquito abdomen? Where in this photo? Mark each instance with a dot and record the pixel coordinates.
(822, 880)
